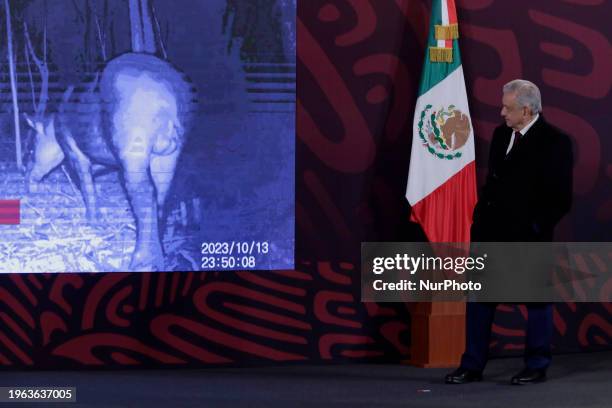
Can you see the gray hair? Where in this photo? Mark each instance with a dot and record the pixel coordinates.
(527, 94)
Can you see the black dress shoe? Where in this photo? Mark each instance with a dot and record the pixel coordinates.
(462, 376)
(529, 376)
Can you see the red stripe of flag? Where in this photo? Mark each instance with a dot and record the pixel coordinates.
(452, 12)
(453, 203)
(452, 18)
(10, 213)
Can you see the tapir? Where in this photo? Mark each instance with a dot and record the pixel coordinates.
(134, 117)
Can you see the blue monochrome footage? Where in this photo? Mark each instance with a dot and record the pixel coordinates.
(147, 135)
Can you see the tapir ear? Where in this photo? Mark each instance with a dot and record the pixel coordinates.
(29, 121)
(50, 125)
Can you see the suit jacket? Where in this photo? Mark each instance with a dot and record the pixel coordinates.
(527, 192)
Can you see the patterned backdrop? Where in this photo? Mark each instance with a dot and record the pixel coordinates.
(358, 67)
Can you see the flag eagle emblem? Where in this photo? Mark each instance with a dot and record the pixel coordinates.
(444, 131)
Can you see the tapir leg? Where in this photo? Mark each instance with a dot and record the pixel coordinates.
(88, 190)
(82, 165)
(134, 155)
(162, 172)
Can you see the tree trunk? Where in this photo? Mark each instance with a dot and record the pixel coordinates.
(43, 69)
(162, 46)
(141, 24)
(147, 27)
(288, 10)
(11, 62)
(136, 26)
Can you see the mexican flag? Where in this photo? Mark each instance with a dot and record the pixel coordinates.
(442, 177)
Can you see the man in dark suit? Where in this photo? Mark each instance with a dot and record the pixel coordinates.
(527, 191)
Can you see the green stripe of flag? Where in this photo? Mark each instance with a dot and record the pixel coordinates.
(434, 72)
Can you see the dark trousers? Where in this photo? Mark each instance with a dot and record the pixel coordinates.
(479, 318)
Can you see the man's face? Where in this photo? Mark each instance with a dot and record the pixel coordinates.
(515, 116)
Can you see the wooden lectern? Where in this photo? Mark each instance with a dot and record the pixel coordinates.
(437, 334)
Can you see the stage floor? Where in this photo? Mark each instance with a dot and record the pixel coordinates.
(577, 380)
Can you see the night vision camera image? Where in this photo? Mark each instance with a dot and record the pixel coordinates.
(147, 135)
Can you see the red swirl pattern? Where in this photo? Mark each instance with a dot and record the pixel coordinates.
(359, 63)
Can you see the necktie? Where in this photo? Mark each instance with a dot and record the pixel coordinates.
(517, 141)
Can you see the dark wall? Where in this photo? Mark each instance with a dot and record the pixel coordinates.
(358, 68)
(360, 64)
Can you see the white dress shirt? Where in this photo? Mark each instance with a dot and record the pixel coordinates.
(523, 131)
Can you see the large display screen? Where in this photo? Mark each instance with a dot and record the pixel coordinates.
(147, 135)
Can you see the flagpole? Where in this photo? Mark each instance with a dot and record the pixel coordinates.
(441, 186)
